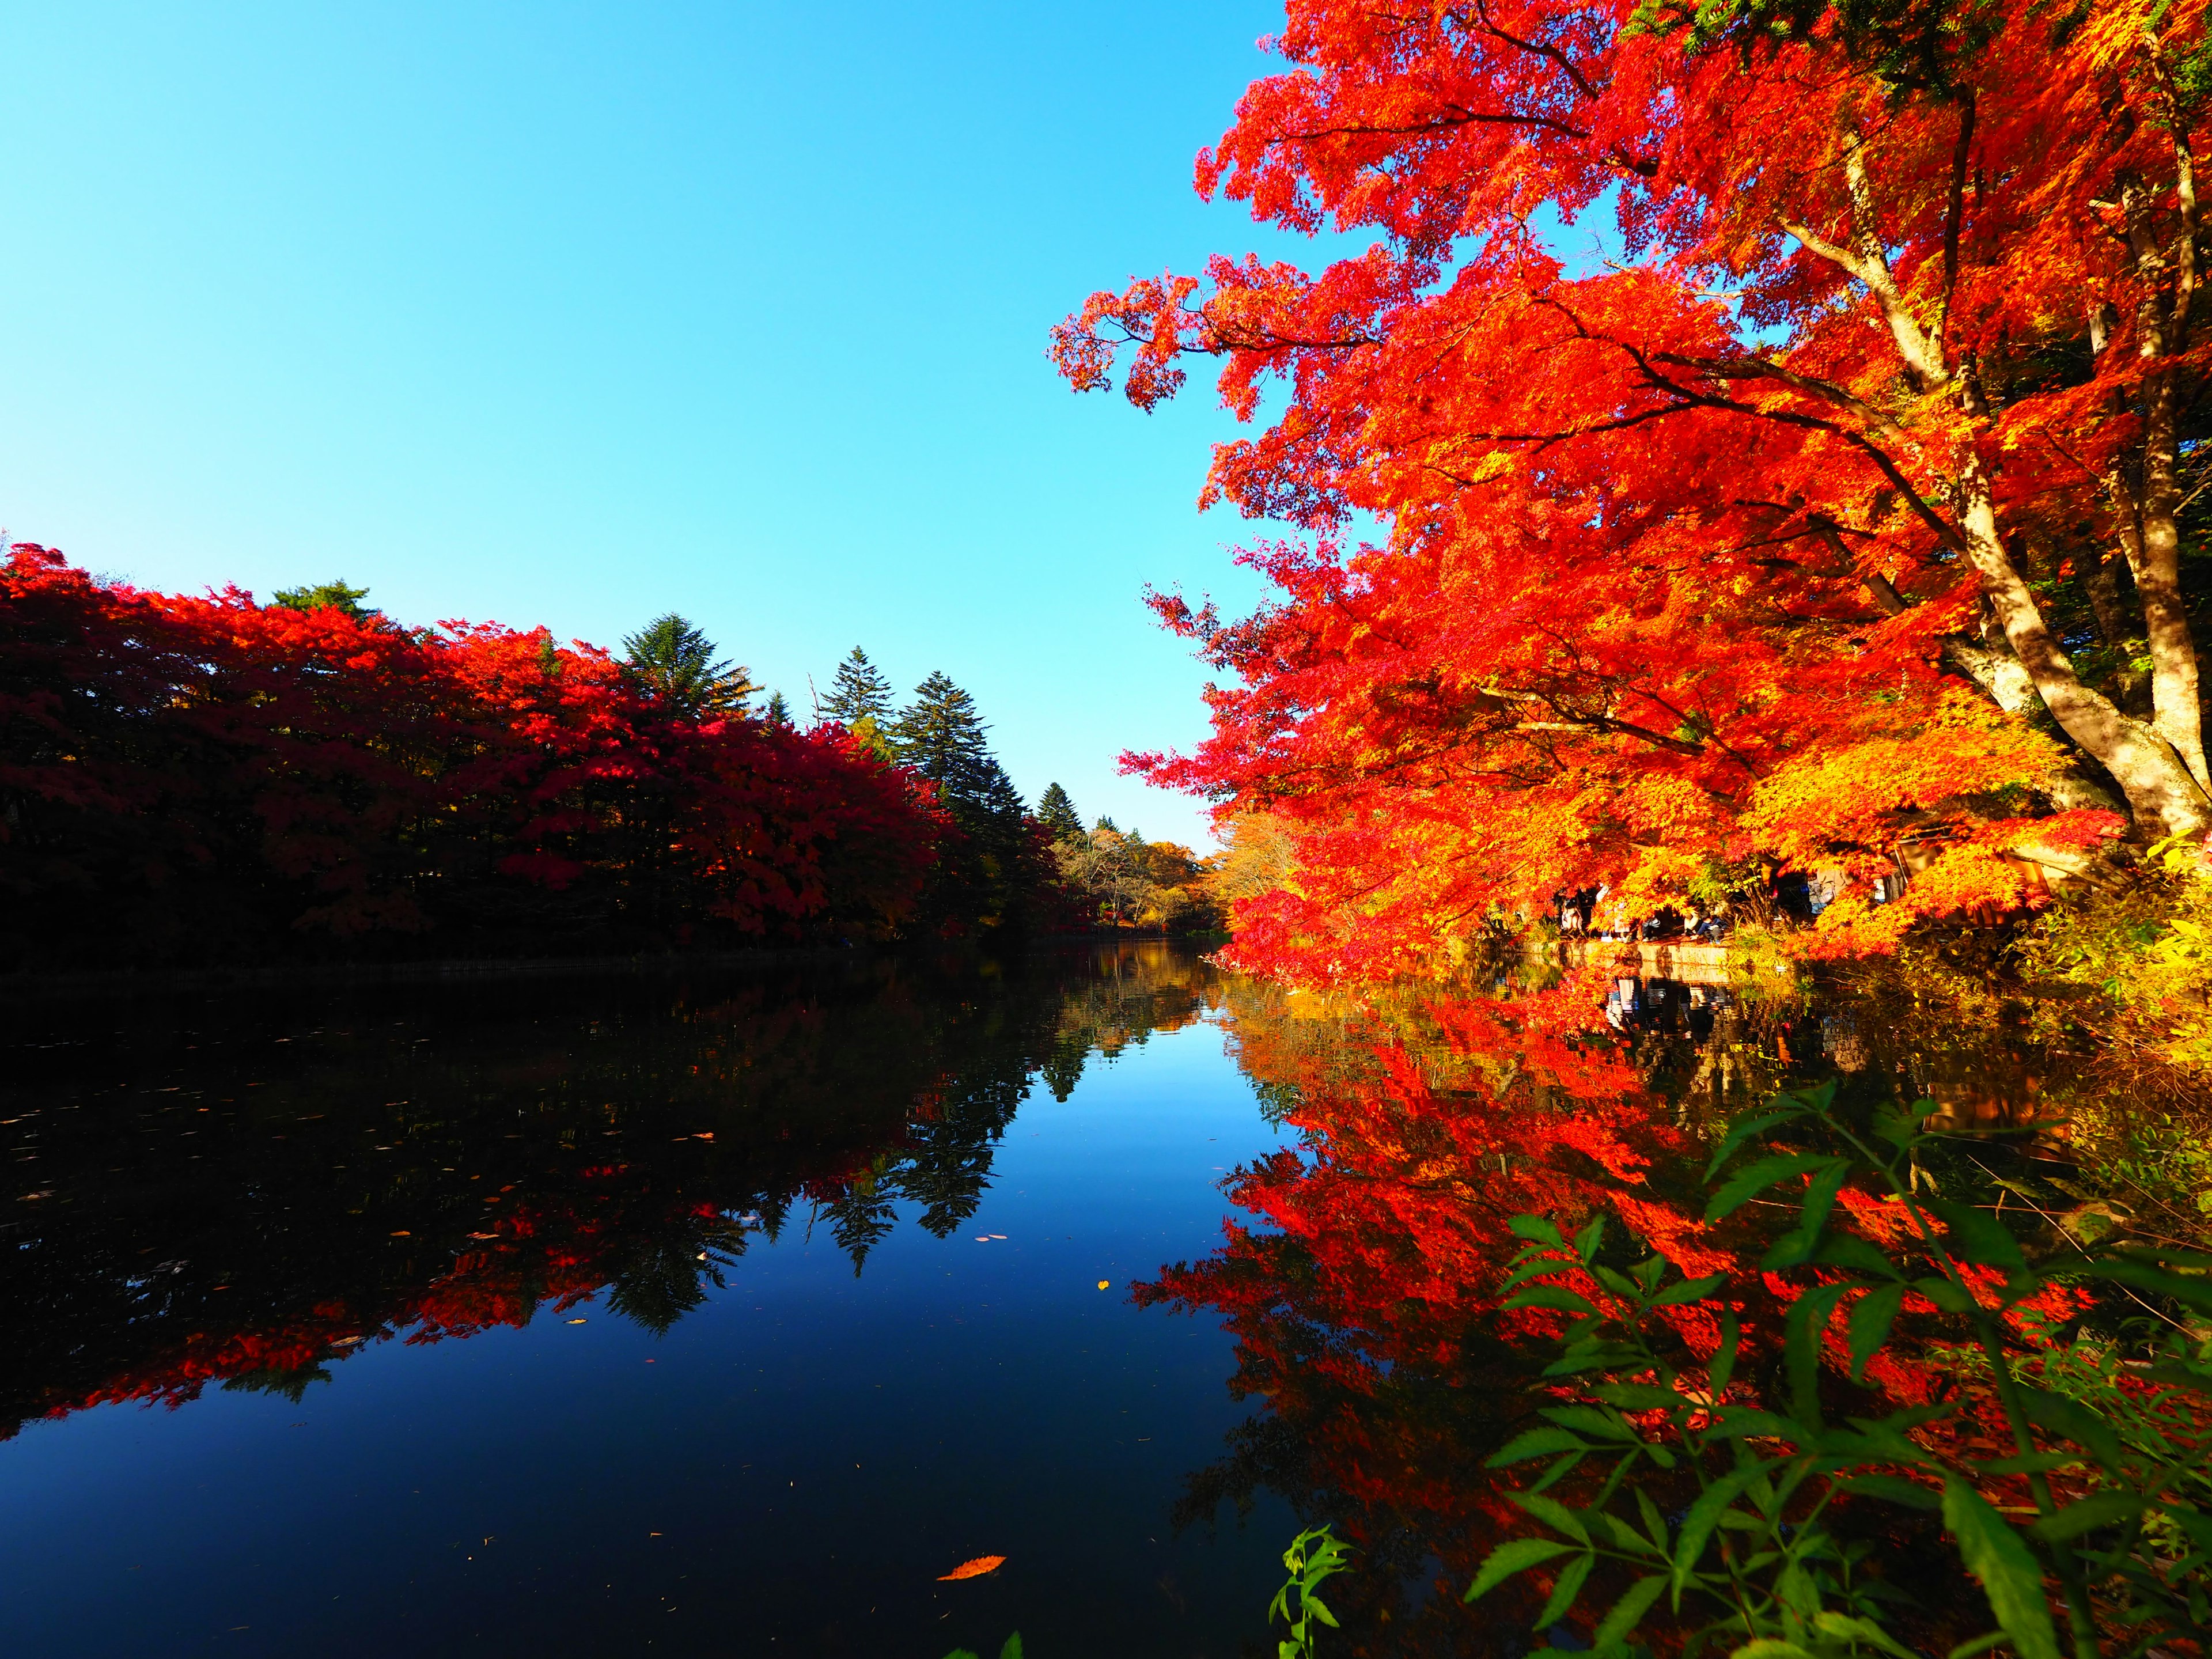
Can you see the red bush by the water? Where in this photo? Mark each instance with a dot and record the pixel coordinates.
(207, 778)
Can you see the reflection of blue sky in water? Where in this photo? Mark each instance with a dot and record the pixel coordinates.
(813, 1448)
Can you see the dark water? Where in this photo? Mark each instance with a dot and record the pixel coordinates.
(725, 1314)
(590, 1317)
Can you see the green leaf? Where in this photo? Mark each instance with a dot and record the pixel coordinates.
(1743, 1132)
(1724, 1365)
(1705, 1514)
(1748, 1182)
(1508, 1558)
(1536, 1227)
(1690, 1290)
(2146, 1274)
(1540, 1266)
(2107, 1509)
(1869, 1321)
(1636, 1396)
(1890, 1489)
(2009, 1575)
(1976, 1235)
(1803, 1330)
(1748, 1422)
(1655, 1524)
(1589, 1420)
(1844, 1627)
(1628, 1611)
(1769, 1647)
(2077, 1422)
(1553, 1514)
(1945, 1295)
(1842, 1250)
(1552, 1296)
(1534, 1442)
(1013, 1647)
(2029, 1463)
(1797, 1245)
(1569, 1586)
(1588, 1240)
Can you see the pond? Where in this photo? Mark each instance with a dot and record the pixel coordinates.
(706, 1316)
(722, 1312)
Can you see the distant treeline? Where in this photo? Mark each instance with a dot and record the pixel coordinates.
(212, 779)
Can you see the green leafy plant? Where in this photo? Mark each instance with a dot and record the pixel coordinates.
(1012, 1649)
(1314, 1554)
(1772, 1499)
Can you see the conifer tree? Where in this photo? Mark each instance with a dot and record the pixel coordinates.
(859, 693)
(1058, 814)
(674, 660)
(941, 735)
(337, 595)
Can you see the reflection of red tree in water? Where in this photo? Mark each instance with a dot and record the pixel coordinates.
(305, 1214)
(1361, 1282)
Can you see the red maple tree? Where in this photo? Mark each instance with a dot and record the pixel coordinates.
(1800, 517)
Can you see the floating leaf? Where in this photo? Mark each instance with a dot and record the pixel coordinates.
(974, 1569)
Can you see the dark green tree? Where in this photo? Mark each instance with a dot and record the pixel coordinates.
(778, 710)
(328, 596)
(1058, 815)
(941, 735)
(675, 662)
(859, 693)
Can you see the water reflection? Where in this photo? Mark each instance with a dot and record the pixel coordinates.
(1359, 1278)
(244, 1191)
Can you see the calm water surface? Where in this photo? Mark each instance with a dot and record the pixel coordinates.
(706, 1317)
(725, 1314)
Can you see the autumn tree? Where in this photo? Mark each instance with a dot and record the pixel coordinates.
(1836, 507)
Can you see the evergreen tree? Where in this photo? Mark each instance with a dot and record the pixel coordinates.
(859, 693)
(675, 661)
(1058, 814)
(941, 735)
(778, 712)
(328, 596)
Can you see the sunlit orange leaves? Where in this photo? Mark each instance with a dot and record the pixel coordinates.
(1738, 553)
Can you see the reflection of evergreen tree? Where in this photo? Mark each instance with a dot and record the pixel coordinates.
(860, 1217)
(552, 1143)
(658, 1282)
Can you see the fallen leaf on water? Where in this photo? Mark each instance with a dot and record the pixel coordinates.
(402, 1233)
(1102, 1283)
(975, 1569)
(576, 1321)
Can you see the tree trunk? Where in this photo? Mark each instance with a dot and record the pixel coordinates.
(2162, 790)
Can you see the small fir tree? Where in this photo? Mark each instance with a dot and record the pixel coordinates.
(328, 596)
(859, 693)
(1058, 814)
(674, 660)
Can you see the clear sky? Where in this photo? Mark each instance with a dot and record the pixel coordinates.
(577, 313)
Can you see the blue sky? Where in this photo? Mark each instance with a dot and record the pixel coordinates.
(578, 314)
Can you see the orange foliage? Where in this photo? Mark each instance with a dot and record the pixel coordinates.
(1729, 552)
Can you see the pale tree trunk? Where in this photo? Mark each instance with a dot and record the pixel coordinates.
(2162, 791)
(2159, 765)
